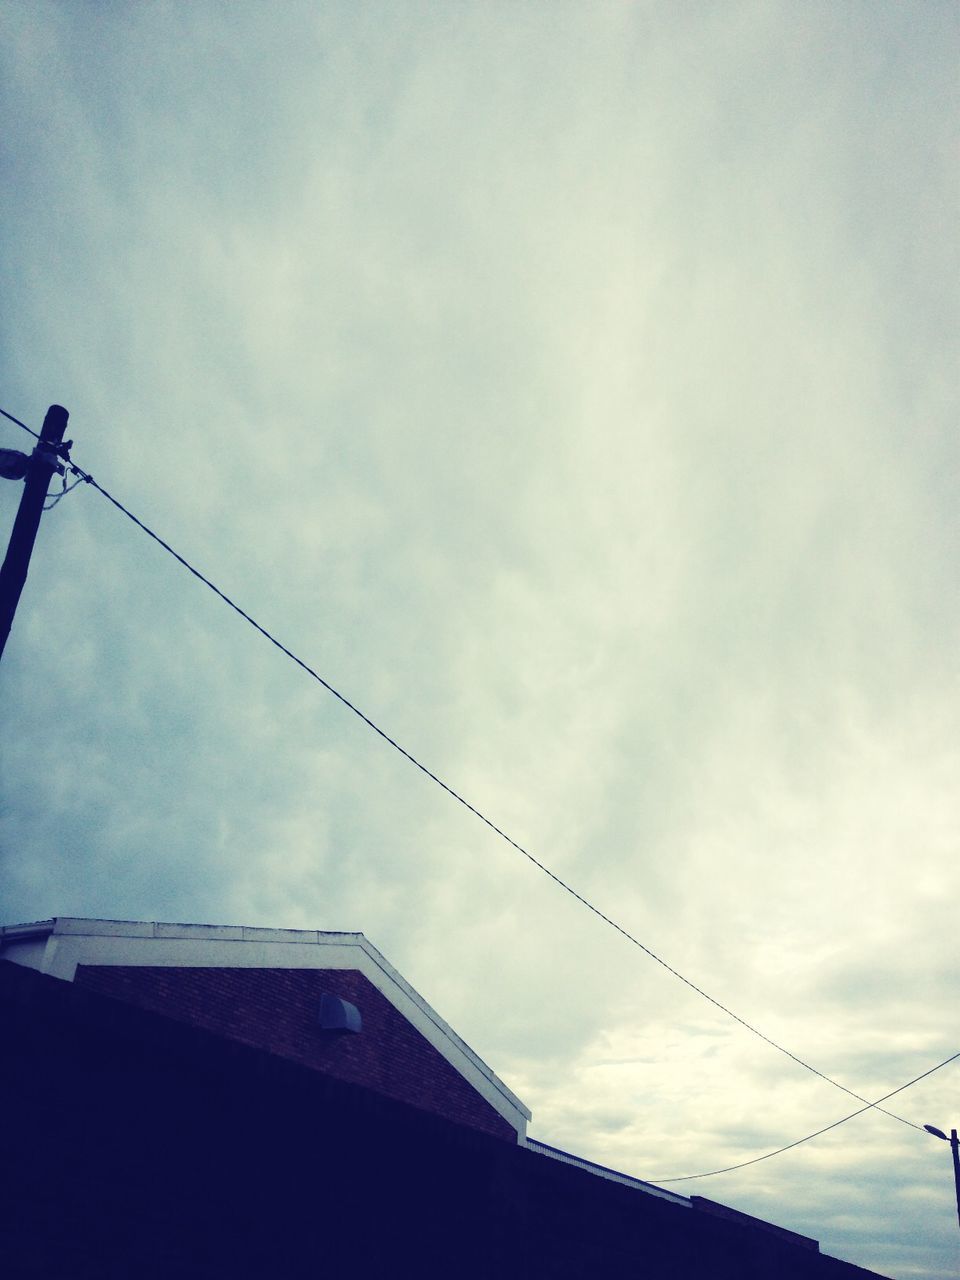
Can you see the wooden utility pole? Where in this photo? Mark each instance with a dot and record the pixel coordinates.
(43, 463)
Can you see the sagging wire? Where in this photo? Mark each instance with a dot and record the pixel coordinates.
(689, 1177)
(63, 451)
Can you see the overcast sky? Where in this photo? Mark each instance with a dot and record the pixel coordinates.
(575, 387)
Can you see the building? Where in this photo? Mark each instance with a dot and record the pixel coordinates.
(208, 1100)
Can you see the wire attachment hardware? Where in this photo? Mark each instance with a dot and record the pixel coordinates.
(50, 457)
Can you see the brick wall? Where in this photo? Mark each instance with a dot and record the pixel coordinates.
(276, 1010)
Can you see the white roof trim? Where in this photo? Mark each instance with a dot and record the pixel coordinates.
(58, 945)
(601, 1171)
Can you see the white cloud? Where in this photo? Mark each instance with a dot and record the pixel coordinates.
(577, 393)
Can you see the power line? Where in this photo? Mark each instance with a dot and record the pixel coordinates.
(83, 475)
(467, 805)
(810, 1136)
(20, 424)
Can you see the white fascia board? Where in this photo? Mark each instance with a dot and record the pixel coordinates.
(71, 926)
(10, 933)
(57, 946)
(442, 1034)
(601, 1171)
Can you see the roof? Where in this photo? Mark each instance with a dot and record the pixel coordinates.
(57, 946)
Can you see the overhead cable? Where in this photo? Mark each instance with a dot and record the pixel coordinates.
(20, 424)
(810, 1136)
(455, 795)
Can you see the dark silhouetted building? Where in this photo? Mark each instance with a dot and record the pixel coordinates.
(193, 1100)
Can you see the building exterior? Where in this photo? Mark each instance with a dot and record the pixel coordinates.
(263, 987)
(192, 1099)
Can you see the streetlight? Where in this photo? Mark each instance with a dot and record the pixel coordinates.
(955, 1148)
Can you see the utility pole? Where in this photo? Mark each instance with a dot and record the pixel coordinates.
(955, 1150)
(40, 468)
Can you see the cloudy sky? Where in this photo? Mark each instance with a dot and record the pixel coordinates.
(575, 387)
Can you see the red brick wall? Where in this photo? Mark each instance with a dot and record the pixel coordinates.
(276, 1010)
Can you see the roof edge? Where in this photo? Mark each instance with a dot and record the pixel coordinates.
(604, 1171)
(35, 929)
(84, 926)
